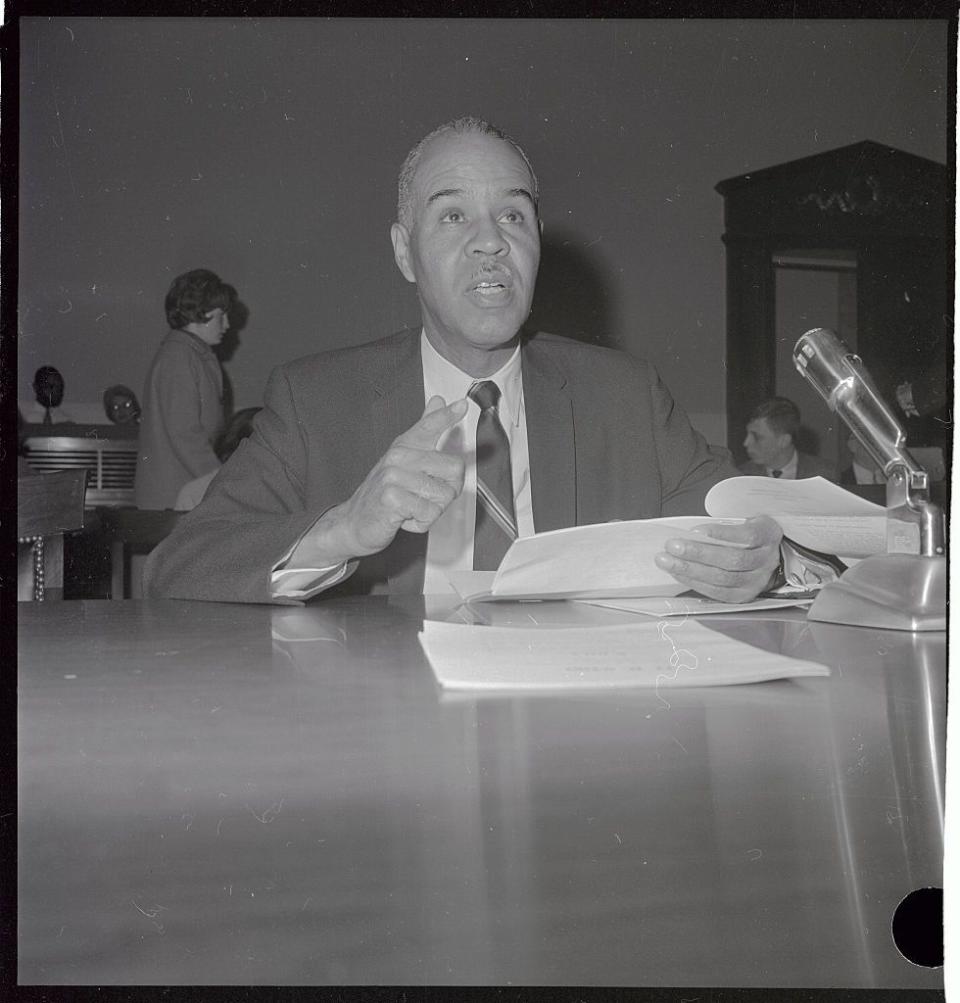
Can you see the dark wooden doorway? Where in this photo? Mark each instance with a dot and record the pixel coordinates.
(858, 239)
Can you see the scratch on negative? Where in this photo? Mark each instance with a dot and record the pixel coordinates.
(150, 915)
(269, 815)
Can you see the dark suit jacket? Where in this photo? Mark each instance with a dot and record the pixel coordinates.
(807, 466)
(606, 441)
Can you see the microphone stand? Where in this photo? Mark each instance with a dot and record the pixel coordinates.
(905, 588)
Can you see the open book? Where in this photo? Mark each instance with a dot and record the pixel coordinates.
(616, 559)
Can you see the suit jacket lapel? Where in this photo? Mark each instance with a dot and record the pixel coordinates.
(550, 440)
(398, 404)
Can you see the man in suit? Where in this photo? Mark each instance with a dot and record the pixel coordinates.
(771, 444)
(360, 477)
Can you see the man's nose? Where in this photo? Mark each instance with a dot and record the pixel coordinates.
(487, 238)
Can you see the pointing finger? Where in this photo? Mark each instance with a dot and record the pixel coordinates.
(437, 418)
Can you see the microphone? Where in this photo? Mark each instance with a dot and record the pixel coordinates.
(842, 381)
(905, 588)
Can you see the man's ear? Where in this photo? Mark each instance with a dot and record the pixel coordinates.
(401, 250)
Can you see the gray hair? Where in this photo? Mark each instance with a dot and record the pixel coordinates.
(459, 126)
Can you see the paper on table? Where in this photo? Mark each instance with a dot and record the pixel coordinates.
(813, 511)
(692, 605)
(655, 655)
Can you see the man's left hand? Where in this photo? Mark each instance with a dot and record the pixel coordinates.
(730, 574)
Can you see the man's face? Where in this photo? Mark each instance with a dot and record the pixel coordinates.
(763, 444)
(122, 408)
(473, 246)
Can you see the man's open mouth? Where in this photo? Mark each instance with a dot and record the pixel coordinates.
(489, 286)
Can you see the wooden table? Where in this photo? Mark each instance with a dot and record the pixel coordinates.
(255, 795)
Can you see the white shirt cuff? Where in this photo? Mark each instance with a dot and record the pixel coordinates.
(302, 583)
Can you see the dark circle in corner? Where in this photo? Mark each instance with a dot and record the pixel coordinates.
(918, 927)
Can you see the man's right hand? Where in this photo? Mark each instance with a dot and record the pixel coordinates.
(409, 488)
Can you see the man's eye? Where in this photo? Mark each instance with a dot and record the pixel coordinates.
(452, 216)
(512, 216)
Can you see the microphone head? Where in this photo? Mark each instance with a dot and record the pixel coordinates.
(841, 380)
(825, 362)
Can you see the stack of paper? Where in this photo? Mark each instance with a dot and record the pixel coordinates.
(814, 512)
(605, 560)
(615, 560)
(644, 654)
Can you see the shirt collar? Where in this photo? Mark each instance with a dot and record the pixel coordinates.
(443, 377)
(789, 469)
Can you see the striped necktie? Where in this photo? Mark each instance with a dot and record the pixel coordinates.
(496, 526)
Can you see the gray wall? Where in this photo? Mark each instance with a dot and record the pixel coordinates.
(268, 149)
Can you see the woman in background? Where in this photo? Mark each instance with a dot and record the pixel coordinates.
(183, 395)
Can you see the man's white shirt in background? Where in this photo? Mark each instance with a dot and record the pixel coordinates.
(450, 540)
(864, 475)
(788, 472)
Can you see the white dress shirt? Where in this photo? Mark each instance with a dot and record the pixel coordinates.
(787, 472)
(450, 540)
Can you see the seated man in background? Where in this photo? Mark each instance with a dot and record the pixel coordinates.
(771, 444)
(121, 406)
(380, 468)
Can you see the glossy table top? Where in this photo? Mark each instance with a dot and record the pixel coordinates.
(253, 795)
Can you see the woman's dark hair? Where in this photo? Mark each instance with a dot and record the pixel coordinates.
(194, 294)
